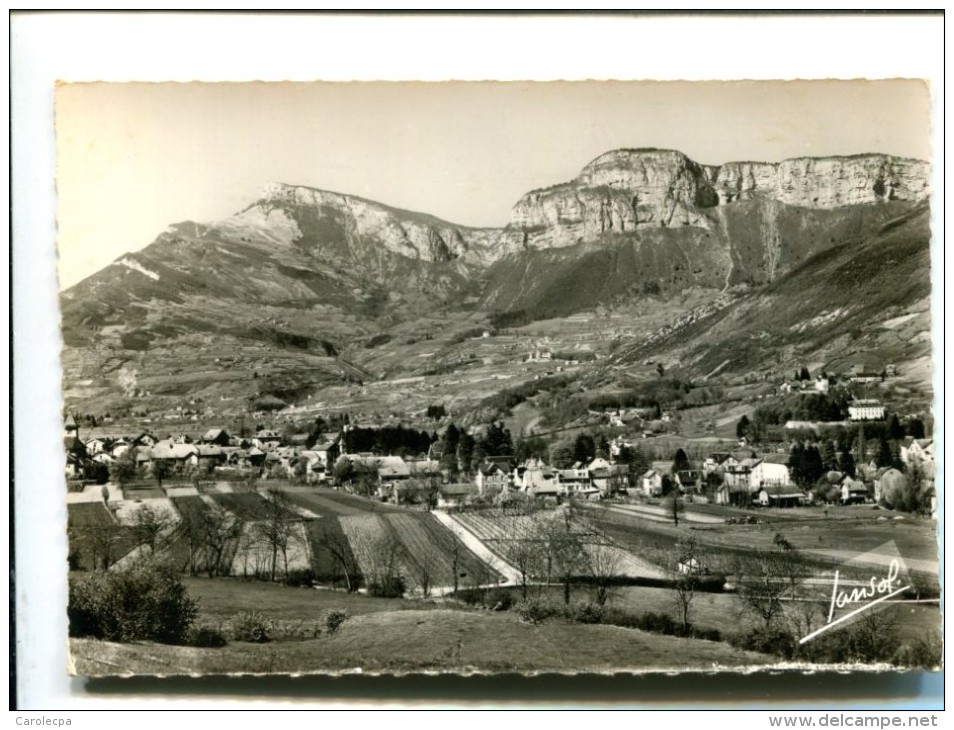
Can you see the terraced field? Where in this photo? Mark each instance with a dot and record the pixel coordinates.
(497, 530)
(434, 550)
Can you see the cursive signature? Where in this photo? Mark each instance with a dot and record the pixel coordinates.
(857, 595)
(870, 594)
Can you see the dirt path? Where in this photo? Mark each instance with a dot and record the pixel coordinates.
(658, 514)
(477, 547)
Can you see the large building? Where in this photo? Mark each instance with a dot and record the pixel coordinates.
(866, 410)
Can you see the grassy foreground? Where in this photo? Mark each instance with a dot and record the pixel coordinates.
(436, 640)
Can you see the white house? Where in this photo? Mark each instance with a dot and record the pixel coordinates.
(652, 483)
(770, 471)
(866, 409)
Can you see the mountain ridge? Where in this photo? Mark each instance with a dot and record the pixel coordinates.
(332, 271)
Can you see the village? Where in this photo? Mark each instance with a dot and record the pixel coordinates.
(430, 473)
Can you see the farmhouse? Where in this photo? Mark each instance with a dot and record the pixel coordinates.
(452, 496)
(780, 496)
(853, 492)
(770, 471)
(718, 461)
(917, 451)
(215, 436)
(493, 478)
(540, 478)
(652, 483)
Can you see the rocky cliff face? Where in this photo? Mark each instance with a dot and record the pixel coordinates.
(327, 222)
(624, 190)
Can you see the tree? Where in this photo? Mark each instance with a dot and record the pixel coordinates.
(124, 469)
(828, 455)
(160, 470)
(584, 448)
(524, 551)
(916, 428)
(675, 507)
(344, 472)
(335, 542)
(101, 539)
(884, 457)
(742, 427)
(566, 554)
(682, 575)
(846, 463)
(151, 527)
(219, 531)
(562, 455)
(895, 430)
(762, 579)
(278, 529)
(465, 452)
(680, 462)
(804, 374)
(367, 478)
(497, 441)
(602, 562)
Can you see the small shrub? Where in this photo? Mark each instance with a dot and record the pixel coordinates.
(300, 578)
(707, 634)
(145, 603)
(534, 610)
(470, 596)
(252, 626)
(658, 623)
(923, 653)
(589, 613)
(333, 619)
(393, 587)
(207, 638)
(775, 641)
(500, 600)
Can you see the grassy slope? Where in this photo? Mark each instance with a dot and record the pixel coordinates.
(867, 275)
(426, 640)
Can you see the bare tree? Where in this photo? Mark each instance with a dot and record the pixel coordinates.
(602, 562)
(151, 527)
(219, 531)
(278, 529)
(675, 506)
(337, 546)
(102, 540)
(380, 557)
(683, 568)
(762, 579)
(524, 551)
(566, 554)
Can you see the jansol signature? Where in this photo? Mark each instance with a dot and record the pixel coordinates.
(868, 595)
(884, 587)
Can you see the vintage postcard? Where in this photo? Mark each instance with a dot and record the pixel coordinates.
(573, 377)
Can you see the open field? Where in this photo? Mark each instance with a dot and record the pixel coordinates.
(413, 640)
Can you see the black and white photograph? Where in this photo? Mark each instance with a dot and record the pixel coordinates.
(474, 377)
(485, 376)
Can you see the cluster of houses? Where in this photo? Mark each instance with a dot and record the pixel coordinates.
(744, 478)
(215, 450)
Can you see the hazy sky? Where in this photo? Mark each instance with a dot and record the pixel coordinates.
(133, 158)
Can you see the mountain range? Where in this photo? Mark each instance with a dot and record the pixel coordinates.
(731, 268)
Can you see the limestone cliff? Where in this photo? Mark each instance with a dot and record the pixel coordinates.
(324, 221)
(623, 190)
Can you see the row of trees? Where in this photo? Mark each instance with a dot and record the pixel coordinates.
(547, 548)
(215, 539)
